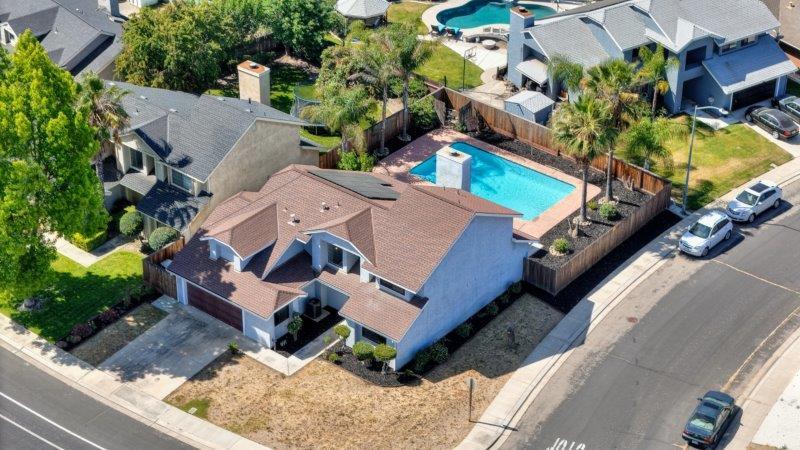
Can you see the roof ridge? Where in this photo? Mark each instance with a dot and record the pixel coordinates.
(420, 188)
(340, 220)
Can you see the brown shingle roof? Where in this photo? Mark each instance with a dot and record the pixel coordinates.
(355, 228)
(247, 232)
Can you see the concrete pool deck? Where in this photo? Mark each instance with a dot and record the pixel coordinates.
(399, 164)
(429, 15)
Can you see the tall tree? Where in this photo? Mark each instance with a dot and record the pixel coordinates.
(106, 114)
(301, 26)
(378, 60)
(654, 69)
(340, 110)
(411, 54)
(613, 81)
(562, 70)
(46, 143)
(585, 129)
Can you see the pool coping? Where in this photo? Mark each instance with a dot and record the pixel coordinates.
(399, 164)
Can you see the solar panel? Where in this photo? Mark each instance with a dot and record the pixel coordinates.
(363, 184)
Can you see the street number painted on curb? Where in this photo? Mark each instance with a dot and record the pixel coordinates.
(563, 444)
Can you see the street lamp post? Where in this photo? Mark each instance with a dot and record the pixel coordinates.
(723, 112)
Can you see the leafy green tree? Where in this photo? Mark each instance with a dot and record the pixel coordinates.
(106, 114)
(301, 25)
(46, 183)
(411, 54)
(341, 109)
(379, 62)
(613, 81)
(654, 69)
(131, 224)
(162, 236)
(584, 127)
(384, 353)
(179, 46)
(645, 141)
(562, 70)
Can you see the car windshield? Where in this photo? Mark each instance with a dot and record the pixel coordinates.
(748, 198)
(700, 230)
(702, 422)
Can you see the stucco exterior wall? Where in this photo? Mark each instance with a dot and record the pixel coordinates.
(482, 264)
(517, 52)
(257, 328)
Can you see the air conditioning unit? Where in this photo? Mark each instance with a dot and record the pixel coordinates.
(314, 308)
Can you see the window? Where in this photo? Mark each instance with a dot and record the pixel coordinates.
(392, 287)
(750, 40)
(370, 335)
(335, 255)
(136, 159)
(282, 315)
(181, 180)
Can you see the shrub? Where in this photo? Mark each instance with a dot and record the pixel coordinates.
(363, 350)
(327, 339)
(334, 358)
(421, 361)
(504, 298)
(423, 115)
(108, 316)
(73, 339)
(492, 309)
(561, 245)
(82, 330)
(416, 88)
(438, 352)
(162, 236)
(384, 353)
(91, 242)
(592, 204)
(342, 330)
(294, 326)
(516, 287)
(464, 330)
(233, 347)
(355, 160)
(609, 211)
(131, 224)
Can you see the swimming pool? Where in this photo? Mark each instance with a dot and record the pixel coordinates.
(504, 182)
(478, 13)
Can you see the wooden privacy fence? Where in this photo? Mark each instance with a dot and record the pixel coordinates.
(156, 275)
(329, 159)
(372, 139)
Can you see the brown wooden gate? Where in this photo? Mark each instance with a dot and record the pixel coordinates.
(214, 306)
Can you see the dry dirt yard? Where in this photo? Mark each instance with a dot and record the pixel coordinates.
(119, 334)
(324, 406)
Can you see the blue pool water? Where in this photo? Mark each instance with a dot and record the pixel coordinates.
(478, 13)
(504, 182)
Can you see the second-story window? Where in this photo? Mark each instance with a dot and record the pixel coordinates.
(136, 160)
(182, 181)
(392, 287)
(335, 256)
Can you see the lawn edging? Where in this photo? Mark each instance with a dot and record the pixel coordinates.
(521, 390)
(122, 397)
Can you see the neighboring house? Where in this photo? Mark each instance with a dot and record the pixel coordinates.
(728, 55)
(78, 35)
(788, 14)
(371, 12)
(403, 264)
(185, 153)
(530, 105)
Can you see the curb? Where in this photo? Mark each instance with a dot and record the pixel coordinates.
(124, 398)
(532, 376)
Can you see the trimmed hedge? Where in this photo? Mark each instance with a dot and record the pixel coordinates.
(363, 350)
(89, 243)
(162, 236)
(131, 224)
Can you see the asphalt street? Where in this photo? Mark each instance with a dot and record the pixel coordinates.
(692, 326)
(38, 411)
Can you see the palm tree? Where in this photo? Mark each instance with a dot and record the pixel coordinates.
(613, 81)
(654, 69)
(584, 128)
(106, 114)
(341, 109)
(411, 54)
(378, 59)
(645, 141)
(562, 70)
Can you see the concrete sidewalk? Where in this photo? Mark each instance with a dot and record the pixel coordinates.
(85, 258)
(532, 376)
(104, 387)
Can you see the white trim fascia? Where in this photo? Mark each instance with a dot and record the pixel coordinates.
(338, 237)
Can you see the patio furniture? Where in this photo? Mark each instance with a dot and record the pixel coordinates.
(489, 44)
(435, 30)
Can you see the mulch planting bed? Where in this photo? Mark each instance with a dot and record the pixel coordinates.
(310, 330)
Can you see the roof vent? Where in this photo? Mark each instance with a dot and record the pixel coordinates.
(325, 207)
(253, 65)
(173, 110)
(248, 110)
(143, 97)
(294, 219)
(522, 9)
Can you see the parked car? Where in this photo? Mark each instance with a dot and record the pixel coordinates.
(754, 200)
(706, 233)
(776, 122)
(790, 105)
(709, 420)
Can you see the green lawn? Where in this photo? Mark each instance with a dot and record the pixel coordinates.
(200, 406)
(721, 161)
(794, 88)
(325, 140)
(447, 67)
(79, 293)
(408, 12)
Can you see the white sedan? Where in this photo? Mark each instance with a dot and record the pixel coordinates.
(754, 200)
(706, 233)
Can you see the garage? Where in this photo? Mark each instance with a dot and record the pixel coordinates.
(214, 306)
(755, 94)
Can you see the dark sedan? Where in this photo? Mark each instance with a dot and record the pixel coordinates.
(790, 105)
(709, 420)
(776, 122)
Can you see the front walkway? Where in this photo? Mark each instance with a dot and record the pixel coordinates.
(86, 259)
(533, 375)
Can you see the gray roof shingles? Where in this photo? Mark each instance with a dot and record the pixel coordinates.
(171, 206)
(750, 66)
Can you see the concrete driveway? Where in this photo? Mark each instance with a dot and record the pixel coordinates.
(164, 357)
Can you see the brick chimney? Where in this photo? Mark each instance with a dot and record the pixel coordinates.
(254, 82)
(453, 168)
(111, 6)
